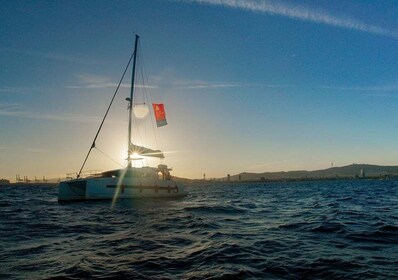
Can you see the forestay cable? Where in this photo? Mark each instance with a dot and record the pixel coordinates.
(103, 120)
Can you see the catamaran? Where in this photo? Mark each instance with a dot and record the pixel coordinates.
(128, 182)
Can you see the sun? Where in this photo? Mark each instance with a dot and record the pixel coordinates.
(135, 155)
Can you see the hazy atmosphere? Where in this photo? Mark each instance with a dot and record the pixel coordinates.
(247, 85)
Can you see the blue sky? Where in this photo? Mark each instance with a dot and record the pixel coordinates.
(247, 85)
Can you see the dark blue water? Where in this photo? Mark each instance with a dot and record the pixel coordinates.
(318, 230)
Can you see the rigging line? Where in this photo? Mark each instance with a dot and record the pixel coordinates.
(138, 122)
(140, 131)
(145, 99)
(134, 122)
(102, 152)
(103, 120)
(149, 99)
(144, 93)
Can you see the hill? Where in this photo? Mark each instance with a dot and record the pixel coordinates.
(349, 171)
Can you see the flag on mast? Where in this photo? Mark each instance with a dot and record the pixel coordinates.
(160, 114)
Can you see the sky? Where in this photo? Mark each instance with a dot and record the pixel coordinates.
(248, 86)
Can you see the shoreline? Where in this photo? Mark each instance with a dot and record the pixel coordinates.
(30, 184)
(286, 180)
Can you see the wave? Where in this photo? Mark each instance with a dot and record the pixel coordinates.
(226, 210)
(315, 230)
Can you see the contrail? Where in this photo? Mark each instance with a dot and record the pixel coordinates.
(301, 13)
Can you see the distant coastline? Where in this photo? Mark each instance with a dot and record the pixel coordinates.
(28, 184)
(348, 172)
(217, 181)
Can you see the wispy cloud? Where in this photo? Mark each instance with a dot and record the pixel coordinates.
(168, 80)
(279, 86)
(380, 91)
(31, 150)
(10, 89)
(197, 84)
(38, 150)
(187, 84)
(52, 56)
(16, 110)
(383, 95)
(9, 106)
(386, 88)
(303, 13)
(14, 89)
(193, 85)
(90, 81)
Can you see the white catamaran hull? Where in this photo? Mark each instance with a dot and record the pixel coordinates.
(110, 188)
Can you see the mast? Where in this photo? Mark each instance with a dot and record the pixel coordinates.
(129, 151)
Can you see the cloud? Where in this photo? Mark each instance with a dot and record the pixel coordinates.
(15, 110)
(369, 89)
(197, 84)
(382, 95)
(303, 13)
(167, 80)
(52, 56)
(7, 106)
(8, 89)
(386, 91)
(11, 89)
(90, 81)
(38, 150)
(201, 84)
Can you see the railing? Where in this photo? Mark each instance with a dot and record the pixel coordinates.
(84, 174)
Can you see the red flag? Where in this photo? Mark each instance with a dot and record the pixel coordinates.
(160, 114)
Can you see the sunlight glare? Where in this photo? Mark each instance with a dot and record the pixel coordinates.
(135, 156)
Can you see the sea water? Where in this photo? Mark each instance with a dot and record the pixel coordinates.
(294, 230)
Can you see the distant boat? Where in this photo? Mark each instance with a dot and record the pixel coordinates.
(128, 182)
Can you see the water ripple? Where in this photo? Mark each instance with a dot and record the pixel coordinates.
(314, 230)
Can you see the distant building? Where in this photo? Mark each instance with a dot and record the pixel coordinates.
(228, 177)
(240, 177)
